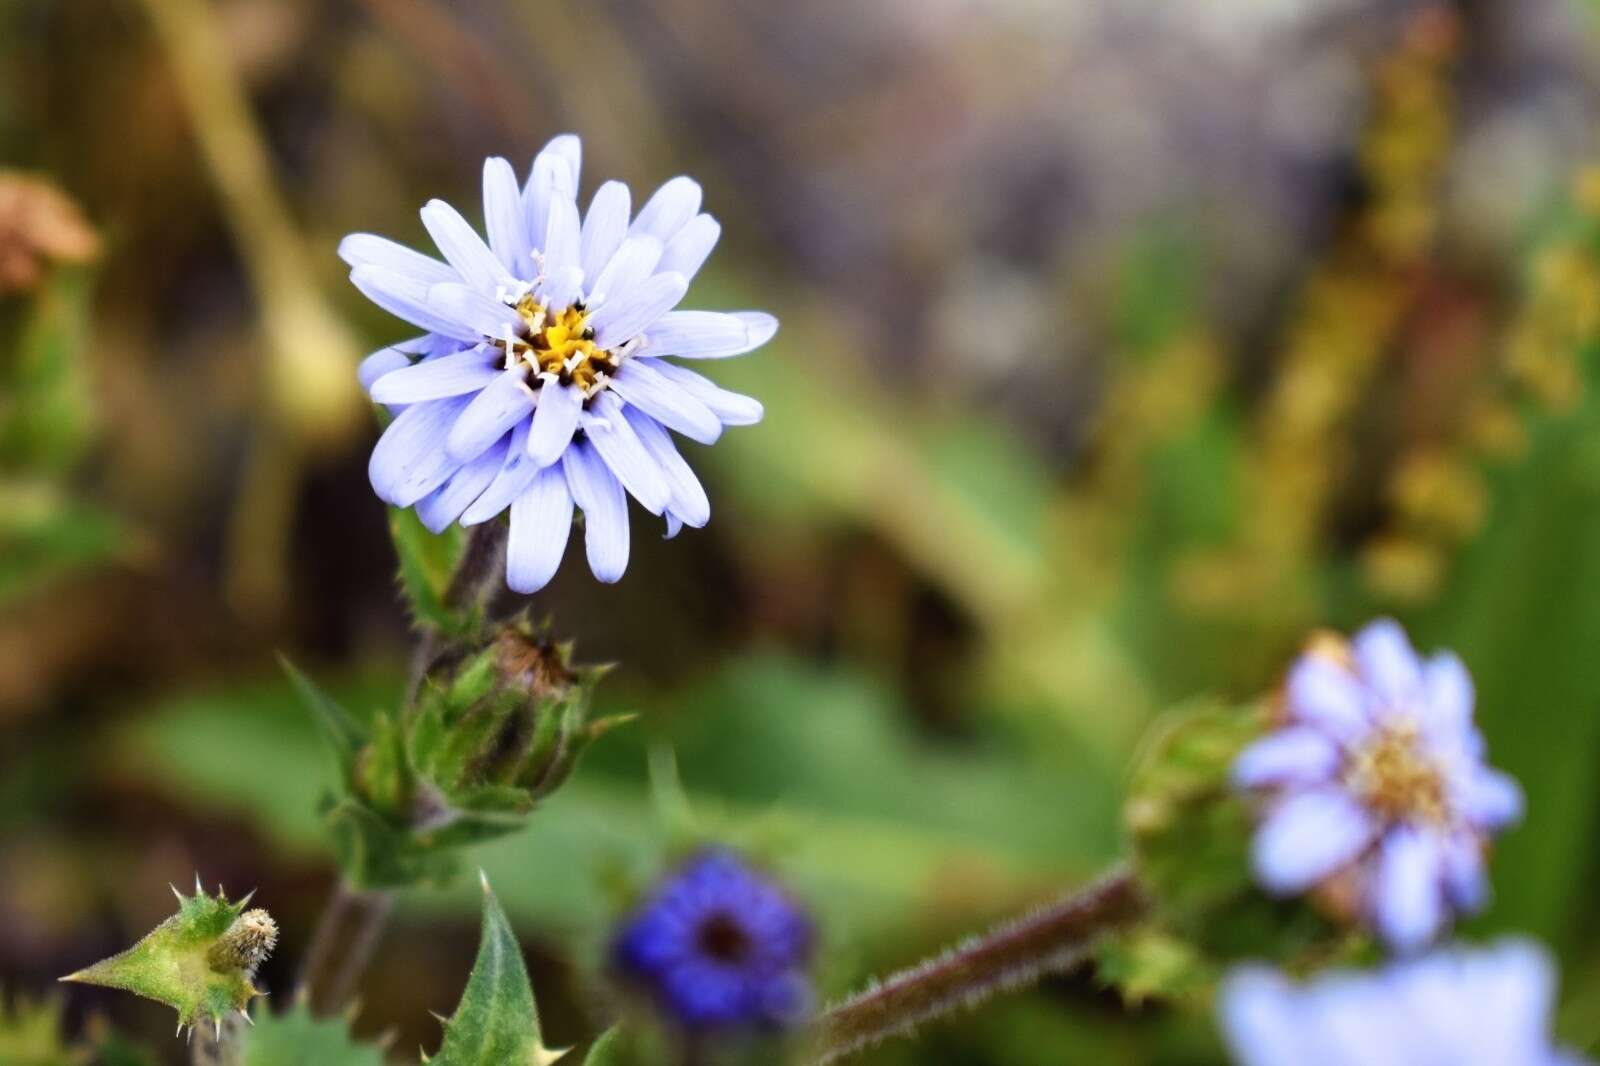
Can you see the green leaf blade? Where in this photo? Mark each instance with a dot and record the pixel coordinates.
(497, 1021)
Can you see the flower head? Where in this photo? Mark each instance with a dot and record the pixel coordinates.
(719, 947)
(1455, 1007)
(1376, 786)
(540, 384)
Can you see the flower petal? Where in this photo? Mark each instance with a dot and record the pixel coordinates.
(564, 287)
(1407, 901)
(464, 249)
(1488, 798)
(464, 304)
(1387, 664)
(368, 249)
(409, 460)
(435, 379)
(1448, 690)
(381, 362)
(689, 505)
(604, 227)
(568, 149)
(555, 420)
(605, 510)
(553, 177)
(1465, 879)
(673, 205)
(447, 502)
(405, 297)
(503, 403)
(541, 521)
(503, 220)
(639, 383)
(1323, 694)
(633, 261)
(627, 314)
(516, 474)
(733, 408)
(1307, 837)
(691, 246)
(709, 334)
(1297, 754)
(1259, 1016)
(563, 236)
(620, 447)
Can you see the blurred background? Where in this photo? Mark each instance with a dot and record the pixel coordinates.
(1125, 342)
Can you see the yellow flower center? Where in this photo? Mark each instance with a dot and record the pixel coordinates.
(1394, 778)
(560, 344)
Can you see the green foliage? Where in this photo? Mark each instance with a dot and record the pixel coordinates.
(46, 422)
(30, 1035)
(496, 1023)
(491, 733)
(296, 1038)
(201, 961)
(428, 563)
(1191, 833)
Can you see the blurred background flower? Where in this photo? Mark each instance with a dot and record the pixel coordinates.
(1124, 343)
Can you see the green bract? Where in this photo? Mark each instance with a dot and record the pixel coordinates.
(495, 726)
(201, 962)
(1190, 831)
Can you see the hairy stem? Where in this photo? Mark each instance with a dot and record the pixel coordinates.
(1018, 953)
(347, 934)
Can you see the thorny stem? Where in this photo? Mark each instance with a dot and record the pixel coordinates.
(352, 920)
(1017, 953)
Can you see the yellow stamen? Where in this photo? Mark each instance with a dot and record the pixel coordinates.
(560, 344)
(1395, 778)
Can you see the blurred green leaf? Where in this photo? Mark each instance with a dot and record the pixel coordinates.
(296, 1038)
(30, 1035)
(45, 535)
(46, 408)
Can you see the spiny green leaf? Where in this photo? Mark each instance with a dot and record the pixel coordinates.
(340, 730)
(201, 961)
(496, 1023)
(427, 563)
(296, 1038)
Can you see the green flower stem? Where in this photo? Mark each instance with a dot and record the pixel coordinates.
(353, 920)
(1012, 956)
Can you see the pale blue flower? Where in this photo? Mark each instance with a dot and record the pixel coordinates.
(1377, 776)
(1454, 1007)
(539, 385)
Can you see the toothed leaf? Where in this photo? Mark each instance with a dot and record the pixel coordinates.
(496, 1022)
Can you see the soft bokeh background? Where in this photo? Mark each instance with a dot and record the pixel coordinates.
(1124, 342)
